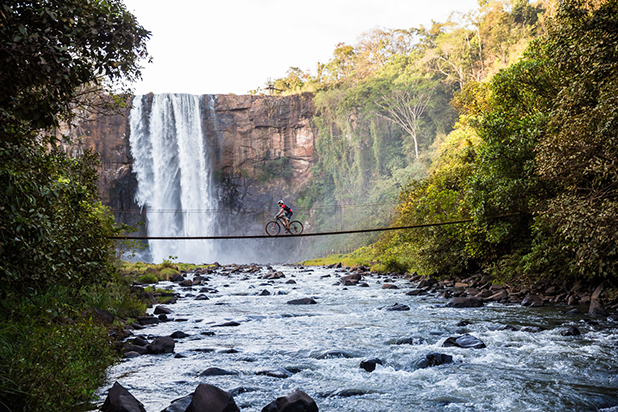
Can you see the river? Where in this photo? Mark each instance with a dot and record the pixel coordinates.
(517, 371)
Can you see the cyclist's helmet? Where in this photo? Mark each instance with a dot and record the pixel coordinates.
(280, 202)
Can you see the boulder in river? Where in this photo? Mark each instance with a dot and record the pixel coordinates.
(295, 401)
(433, 359)
(164, 344)
(370, 364)
(334, 354)
(464, 341)
(120, 400)
(570, 331)
(128, 354)
(160, 309)
(226, 324)
(464, 303)
(409, 340)
(186, 283)
(276, 373)
(532, 301)
(532, 329)
(180, 404)
(397, 307)
(425, 283)
(302, 301)
(596, 309)
(142, 350)
(148, 320)
(176, 277)
(217, 372)
(179, 335)
(209, 398)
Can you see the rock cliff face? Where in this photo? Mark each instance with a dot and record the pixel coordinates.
(261, 149)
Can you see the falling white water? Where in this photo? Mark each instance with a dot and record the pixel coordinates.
(173, 176)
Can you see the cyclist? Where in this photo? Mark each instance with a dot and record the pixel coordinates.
(286, 213)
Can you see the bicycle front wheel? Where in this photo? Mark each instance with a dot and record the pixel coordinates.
(273, 228)
(296, 228)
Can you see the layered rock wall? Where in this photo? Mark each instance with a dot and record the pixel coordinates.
(261, 148)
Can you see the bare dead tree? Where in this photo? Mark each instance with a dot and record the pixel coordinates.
(404, 107)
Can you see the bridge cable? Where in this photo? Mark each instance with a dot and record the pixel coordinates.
(343, 232)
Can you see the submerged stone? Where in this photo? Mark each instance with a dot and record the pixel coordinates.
(464, 341)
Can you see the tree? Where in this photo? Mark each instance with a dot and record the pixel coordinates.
(48, 49)
(52, 228)
(405, 106)
(580, 153)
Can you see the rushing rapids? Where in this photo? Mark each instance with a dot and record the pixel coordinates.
(242, 322)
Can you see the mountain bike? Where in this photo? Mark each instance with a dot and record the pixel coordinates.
(274, 227)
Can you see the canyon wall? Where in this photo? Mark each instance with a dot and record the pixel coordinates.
(261, 148)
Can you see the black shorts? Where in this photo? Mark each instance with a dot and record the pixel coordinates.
(288, 215)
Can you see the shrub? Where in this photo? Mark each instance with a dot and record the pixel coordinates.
(166, 273)
(52, 367)
(148, 278)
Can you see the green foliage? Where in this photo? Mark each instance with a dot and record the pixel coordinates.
(538, 143)
(272, 169)
(382, 103)
(53, 366)
(166, 273)
(580, 154)
(56, 259)
(115, 297)
(363, 256)
(52, 48)
(439, 198)
(148, 278)
(53, 229)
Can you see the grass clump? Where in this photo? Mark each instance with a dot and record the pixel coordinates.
(148, 278)
(167, 273)
(363, 256)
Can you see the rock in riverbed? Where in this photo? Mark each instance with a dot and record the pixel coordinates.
(163, 344)
(302, 301)
(464, 341)
(120, 400)
(212, 399)
(464, 303)
(433, 359)
(295, 401)
(370, 364)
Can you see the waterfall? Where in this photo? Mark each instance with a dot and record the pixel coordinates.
(173, 175)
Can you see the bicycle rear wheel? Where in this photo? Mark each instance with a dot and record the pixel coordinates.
(296, 228)
(273, 228)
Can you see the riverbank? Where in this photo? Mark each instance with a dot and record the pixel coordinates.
(578, 294)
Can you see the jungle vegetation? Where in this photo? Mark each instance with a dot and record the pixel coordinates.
(58, 269)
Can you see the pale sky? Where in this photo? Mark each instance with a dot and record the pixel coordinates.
(233, 46)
